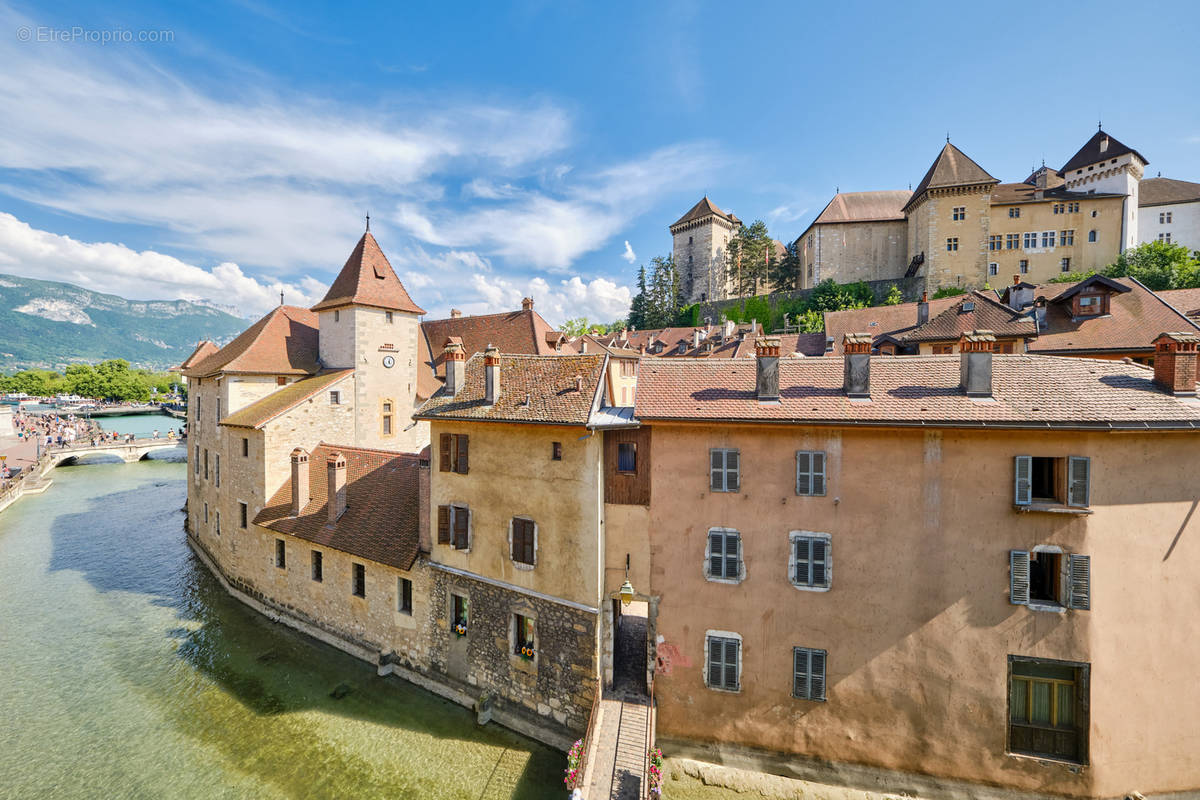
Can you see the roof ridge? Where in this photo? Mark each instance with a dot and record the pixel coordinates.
(357, 449)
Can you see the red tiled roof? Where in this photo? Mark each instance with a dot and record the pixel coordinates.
(510, 331)
(986, 314)
(284, 342)
(202, 351)
(1029, 391)
(1185, 301)
(367, 279)
(547, 382)
(877, 320)
(705, 208)
(1135, 318)
(381, 521)
(284, 399)
(864, 207)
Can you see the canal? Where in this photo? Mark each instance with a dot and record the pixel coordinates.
(126, 672)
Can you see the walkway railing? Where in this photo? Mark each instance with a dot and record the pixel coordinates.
(649, 740)
(589, 732)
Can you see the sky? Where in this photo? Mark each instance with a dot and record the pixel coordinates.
(229, 150)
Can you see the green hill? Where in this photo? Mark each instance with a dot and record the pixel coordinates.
(50, 325)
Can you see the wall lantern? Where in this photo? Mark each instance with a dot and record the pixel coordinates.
(626, 587)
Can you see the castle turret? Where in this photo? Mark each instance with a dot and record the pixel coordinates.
(699, 238)
(1105, 166)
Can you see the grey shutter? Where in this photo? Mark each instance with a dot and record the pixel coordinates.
(731, 661)
(733, 546)
(733, 477)
(819, 553)
(1079, 571)
(1018, 577)
(716, 474)
(816, 675)
(803, 473)
(818, 473)
(715, 555)
(803, 562)
(1024, 475)
(799, 671)
(1078, 479)
(715, 651)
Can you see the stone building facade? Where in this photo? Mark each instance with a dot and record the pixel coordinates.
(698, 241)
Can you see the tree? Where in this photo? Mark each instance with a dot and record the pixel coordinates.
(948, 291)
(787, 274)
(894, 297)
(637, 309)
(658, 302)
(1159, 265)
(750, 256)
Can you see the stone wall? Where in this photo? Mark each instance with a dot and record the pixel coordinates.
(854, 251)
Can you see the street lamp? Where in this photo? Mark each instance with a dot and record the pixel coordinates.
(626, 587)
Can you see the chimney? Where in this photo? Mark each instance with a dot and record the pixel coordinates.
(455, 313)
(491, 374)
(857, 380)
(766, 383)
(527, 304)
(456, 366)
(1016, 279)
(975, 362)
(335, 467)
(923, 309)
(579, 383)
(1175, 363)
(300, 493)
(697, 337)
(729, 328)
(424, 540)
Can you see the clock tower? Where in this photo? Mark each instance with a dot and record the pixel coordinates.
(368, 323)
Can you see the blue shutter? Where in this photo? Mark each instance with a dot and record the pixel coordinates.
(1078, 481)
(820, 575)
(733, 544)
(1018, 577)
(1023, 466)
(803, 473)
(733, 476)
(818, 473)
(716, 474)
(715, 651)
(1079, 572)
(715, 553)
(816, 675)
(731, 662)
(803, 573)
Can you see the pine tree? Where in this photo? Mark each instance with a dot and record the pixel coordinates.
(787, 275)
(637, 309)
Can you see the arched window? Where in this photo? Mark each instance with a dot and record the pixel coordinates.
(386, 417)
(1091, 236)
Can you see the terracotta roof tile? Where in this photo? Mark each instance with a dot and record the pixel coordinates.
(1029, 391)
(381, 521)
(284, 342)
(202, 351)
(864, 207)
(367, 279)
(952, 167)
(1135, 317)
(878, 320)
(705, 208)
(510, 331)
(547, 381)
(1185, 301)
(284, 399)
(969, 312)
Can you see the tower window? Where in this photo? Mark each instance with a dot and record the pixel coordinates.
(1014, 213)
(1091, 236)
(386, 417)
(952, 244)
(960, 212)
(389, 318)
(337, 315)
(993, 268)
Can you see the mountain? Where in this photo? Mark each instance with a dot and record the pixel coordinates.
(49, 325)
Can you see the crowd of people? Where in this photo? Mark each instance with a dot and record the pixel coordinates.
(57, 430)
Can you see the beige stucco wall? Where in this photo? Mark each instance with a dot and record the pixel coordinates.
(854, 251)
(511, 474)
(239, 391)
(1045, 263)
(931, 222)
(918, 624)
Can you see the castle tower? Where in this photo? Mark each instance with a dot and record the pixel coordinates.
(949, 216)
(368, 322)
(698, 248)
(1104, 165)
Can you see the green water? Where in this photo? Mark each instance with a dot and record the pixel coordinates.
(142, 426)
(126, 672)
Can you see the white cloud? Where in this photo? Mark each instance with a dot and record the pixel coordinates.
(629, 255)
(139, 275)
(600, 299)
(788, 212)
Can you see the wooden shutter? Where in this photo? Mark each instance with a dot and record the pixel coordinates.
(443, 524)
(803, 575)
(716, 472)
(462, 518)
(460, 466)
(819, 552)
(716, 649)
(733, 546)
(803, 472)
(1018, 577)
(716, 552)
(1024, 474)
(816, 675)
(529, 541)
(444, 453)
(1078, 479)
(799, 672)
(733, 476)
(818, 473)
(731, 660)
(1079, 572)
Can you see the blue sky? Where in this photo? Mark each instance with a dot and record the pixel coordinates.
(505, 150)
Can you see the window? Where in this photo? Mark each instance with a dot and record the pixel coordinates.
(388, 317)
(626, 456)
(943, 349)
(1091, 236)
(1030, 241)
(197, 460)
(811, 560)
(206, 513)
(1095, 213)
(281, 381)
(1023, 266)
(1014, 213)
(993, 268)
(335, 398)
(1064, 265)
(996, 242)
(205, 465)
(217, 468)
(386, 415)
(556, 451)
(1073, 208)
(404, 596)
(952, 244)
(218, 513)
(243, 513)
(1164, 237)
(960, 212)
(459, 613)
(523, 636)
(280, 554)
(1060, 208)
(452, 455)
(454, 526)
(1164, 218)
(524, 540)
(245, 448)
(1068, 237)
(1004, 347)
(1049, 577)
(1012, 241)
(318, 566)
(808, 674)
(1048, 708)
(360, 580)
(724, 474)
(1047, 238)
(628, 367)
(724, 555)
(1056, 481)
(1090, 305)
(337, 315)
(810, 472)
(723, 652)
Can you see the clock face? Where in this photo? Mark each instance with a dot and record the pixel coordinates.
(389, 362)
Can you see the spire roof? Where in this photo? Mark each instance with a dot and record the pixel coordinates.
(1100, 147)
(952, 167)
(704, 208)
(367, 279)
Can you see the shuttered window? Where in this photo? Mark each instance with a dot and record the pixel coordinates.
(1018, 577)
(1041, 479)
(1038, 581)
(443, 535)
(1048, 708)
(808, 673)
(724, 554)
(1079, 574)
(524, 540)
(724, 470)
(454, 526)
(723, 653)
(1024, 477)
(1078, 480)
(811, 562)
(453, 453)
(810, 472)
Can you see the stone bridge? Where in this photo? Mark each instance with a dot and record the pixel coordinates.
(128, 452)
